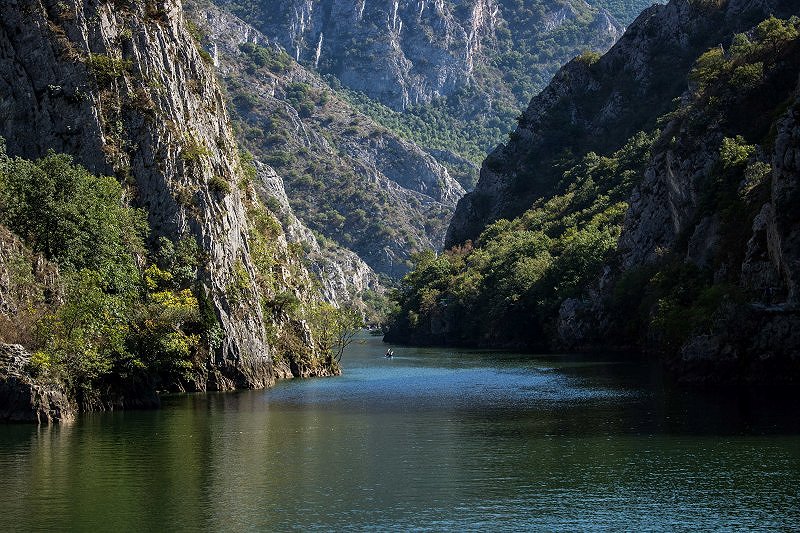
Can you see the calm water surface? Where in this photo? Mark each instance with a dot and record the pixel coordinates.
(431, 440)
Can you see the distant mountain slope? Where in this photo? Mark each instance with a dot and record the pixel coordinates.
(452, 74)
(347, 178)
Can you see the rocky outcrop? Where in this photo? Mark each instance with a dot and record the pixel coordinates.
(734, 221)
(343, 275)
(664, 205)
(24, 398)
(597, 104)
(406, 165)
(752, 343)
(783, 226)
(123, 88)
(760, 340)
(400, 53)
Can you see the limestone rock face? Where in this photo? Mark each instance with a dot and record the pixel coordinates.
(755, 339)
(122, 87)
(783, 236)
(418, 50)
(408, 52)
(343, 275)
(664, 204)
(746, 344)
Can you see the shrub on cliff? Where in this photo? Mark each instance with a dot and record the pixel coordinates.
(121, 318)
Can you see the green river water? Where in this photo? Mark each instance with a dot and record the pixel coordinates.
(433, 439)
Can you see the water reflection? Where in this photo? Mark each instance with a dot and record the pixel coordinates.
(432, 439)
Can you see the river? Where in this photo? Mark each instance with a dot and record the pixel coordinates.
(433, 439)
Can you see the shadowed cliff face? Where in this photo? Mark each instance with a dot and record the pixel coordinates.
(121, 87)
(596, 104)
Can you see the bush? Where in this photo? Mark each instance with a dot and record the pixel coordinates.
(116, 322)
(107, 69)
(219, 185)
(275, 60)
(72, 217)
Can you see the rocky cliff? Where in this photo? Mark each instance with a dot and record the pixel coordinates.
(404, 53)
(344, 277)
(23, 398)
(721, 197)
(597, 103)
(123, 88)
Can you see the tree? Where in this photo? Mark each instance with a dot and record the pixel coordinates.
(334, 329)
(72, 217)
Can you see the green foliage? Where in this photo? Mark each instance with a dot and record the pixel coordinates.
(508, 286)
(219, 185)
(743, 65)
(709, 66)
(238, 286)
(274, 60)
(179, 261)
(194, 149)
(163, 339)
(685, 299)
(435, 126)
(204, 55)
(589, 57)
(86, 336)
(735, 152)
(247, 168)
(303, 98)
(117, 322)
(748, 76)
(774, 31)
(72, 217)
(333, 329)
(107, 69)
(279, 159)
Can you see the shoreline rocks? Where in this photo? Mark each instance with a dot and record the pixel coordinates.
(24, 398)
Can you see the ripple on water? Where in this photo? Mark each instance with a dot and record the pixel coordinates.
(442, 388)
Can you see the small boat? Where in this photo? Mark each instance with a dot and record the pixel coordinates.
(389, 354)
